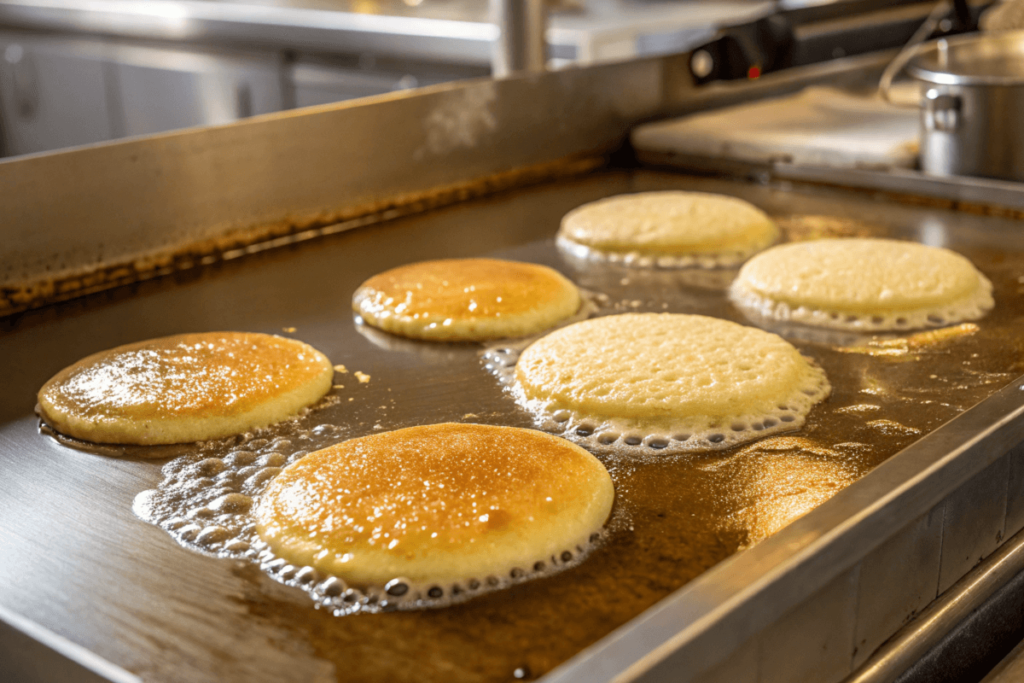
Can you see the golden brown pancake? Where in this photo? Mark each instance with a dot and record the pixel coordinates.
(189, 387)
(466, 299)
(436, 505)
(863, 285)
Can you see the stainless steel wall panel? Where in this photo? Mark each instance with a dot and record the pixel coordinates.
(130, 201)
(973, 522)
(897, 580)
(164, 89)
(741, 666)
(814, 642)
(317, 80)
(54, 92)
(464, 39)
(1015, 492)
(941, 626)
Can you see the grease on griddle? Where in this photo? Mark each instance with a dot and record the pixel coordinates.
(673, 519)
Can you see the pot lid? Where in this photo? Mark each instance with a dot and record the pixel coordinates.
(993, 58)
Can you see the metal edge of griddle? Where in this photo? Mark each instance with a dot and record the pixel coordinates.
(960, 190)
(30, 653)
(707, 619)
(928, 629)
(136, 205)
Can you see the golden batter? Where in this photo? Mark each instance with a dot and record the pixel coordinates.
(466, 299)
(440, 504)
(704, 382)
(189, 387)
(862, 284)
(668, 229)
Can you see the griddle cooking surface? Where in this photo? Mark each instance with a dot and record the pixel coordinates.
(76, 560)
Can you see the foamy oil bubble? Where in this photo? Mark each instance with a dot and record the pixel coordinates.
(206, 502)
(642, 260)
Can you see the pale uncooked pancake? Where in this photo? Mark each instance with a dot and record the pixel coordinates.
(862, 284)
(466, 299)
(189, 387)
(675, 382)
(668, 229)
(437, 506)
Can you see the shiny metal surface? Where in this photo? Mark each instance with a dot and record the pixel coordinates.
(169, 625)
(453, 31)
(897, 580)
(459, 39)
(699, 625)
(952, 607)
(978, 59)
(172, 614)
(31, 653)
(130, 209)
(43, 79)
(973, 90)
(141, 202)
(958, 190)
(1010, 670)
(521, 44)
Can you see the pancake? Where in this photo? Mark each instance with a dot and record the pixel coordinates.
(862, 285)
(189, 387)
(433, 507)
(466, 299)
(671, 382)
(668, 229)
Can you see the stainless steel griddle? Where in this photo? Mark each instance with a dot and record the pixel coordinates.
(478, 169)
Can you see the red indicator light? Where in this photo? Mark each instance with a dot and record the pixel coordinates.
(754, 72)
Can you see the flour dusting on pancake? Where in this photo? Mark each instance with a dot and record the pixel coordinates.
(862, 285)
(189, 387)
(670, 382)
(466, 299)
(668, 230)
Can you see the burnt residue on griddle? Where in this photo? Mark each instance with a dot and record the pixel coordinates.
(49, 289)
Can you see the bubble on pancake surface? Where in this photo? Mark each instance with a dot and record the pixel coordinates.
(207, 502)
(466, 299)
(662, 383)
(862, 285)
(670, 229)
(184, 388)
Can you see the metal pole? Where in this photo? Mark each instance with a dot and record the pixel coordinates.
(521, 45)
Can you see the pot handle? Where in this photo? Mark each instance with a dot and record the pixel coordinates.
(911, 48)
(941, 111)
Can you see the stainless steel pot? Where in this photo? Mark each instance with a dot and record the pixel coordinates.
(972, 113)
